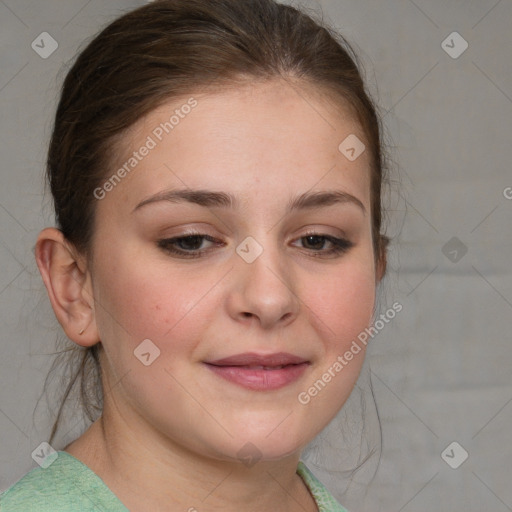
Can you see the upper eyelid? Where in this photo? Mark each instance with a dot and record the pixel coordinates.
(199, 231)
(333, 239)
(207, 235)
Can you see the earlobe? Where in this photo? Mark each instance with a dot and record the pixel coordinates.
(68, 286)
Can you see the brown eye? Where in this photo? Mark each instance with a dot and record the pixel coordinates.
(187, 246)
(316, 243)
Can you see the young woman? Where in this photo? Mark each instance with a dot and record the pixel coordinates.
(216, 169)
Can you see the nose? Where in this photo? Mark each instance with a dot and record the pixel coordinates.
(263, 292)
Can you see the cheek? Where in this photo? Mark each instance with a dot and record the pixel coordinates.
(342, 304)
(138, 301)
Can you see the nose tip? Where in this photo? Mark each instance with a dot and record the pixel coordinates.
(270, 306)
(262, 284)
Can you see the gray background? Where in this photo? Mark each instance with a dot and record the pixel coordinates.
(441, 368)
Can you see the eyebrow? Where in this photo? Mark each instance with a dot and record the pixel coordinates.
(209, 199)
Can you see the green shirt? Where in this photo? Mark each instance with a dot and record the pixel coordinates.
(68, 485)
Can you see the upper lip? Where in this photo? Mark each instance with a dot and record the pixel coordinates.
(252, 359)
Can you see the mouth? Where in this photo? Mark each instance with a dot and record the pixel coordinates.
(260, 372)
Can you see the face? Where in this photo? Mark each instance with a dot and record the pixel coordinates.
(246, 302)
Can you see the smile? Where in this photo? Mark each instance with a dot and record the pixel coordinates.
(260, 373)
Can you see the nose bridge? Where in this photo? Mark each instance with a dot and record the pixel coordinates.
(266, 288)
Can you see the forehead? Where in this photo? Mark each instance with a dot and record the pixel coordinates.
(269, 136)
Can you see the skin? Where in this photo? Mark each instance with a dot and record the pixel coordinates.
(170, 432)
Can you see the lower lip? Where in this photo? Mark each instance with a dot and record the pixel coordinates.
(260, 379)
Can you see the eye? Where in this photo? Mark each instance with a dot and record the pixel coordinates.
(187, 246)
(315, 242)
(190, 245)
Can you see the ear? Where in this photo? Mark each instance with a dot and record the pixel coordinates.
(69, 286)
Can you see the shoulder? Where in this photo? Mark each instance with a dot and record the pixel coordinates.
(325, 501)
(63, 484)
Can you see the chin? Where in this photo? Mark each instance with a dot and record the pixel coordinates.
(250, 445)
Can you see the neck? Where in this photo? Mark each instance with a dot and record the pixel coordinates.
(147, 472)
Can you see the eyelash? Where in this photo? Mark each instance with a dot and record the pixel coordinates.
(340, 245)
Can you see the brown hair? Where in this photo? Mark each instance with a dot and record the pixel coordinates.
(171, 48)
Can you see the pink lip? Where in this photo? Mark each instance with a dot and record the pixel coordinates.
(260, 372)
